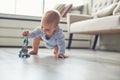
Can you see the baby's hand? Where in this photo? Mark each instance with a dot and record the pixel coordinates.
(25, 33)
(62, 56)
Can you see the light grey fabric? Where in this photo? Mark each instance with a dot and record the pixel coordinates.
(108, 10)
(72, 17)
(104, 7)
(117, 10)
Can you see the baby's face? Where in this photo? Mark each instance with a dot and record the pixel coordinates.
(48, 29)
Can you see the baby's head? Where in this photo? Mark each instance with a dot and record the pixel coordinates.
(50, 22)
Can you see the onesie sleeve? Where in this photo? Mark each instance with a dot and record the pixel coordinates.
(36, 32)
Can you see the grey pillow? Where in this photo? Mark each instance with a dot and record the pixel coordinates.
(77, 9)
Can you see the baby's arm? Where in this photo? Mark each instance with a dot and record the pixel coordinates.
(32, 34)
(61, 45)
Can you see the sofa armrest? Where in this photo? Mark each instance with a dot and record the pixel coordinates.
(71, 18)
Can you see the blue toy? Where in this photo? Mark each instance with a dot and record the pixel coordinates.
(23, 52)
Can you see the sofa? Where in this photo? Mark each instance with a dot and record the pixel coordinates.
(104, 19)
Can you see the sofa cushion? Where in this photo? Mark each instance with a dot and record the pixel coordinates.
(97, 26)
(60, 7)
(66, 10)
(117, 10)
(63, 9)
(108, 10)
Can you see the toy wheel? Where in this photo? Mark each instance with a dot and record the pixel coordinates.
(25, 56)
(20, 54)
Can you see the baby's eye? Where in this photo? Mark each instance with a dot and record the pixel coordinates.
(41, 28)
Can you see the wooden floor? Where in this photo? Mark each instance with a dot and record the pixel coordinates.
(81, 65)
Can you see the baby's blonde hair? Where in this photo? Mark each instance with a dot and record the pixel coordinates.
(51, 16)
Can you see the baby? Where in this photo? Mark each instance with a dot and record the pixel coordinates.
(49, 32)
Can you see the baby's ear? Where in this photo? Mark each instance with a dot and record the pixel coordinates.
(57, 25)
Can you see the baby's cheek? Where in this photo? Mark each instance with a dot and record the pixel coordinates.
(42, 31)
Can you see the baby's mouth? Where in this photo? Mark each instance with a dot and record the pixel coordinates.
(47, 37)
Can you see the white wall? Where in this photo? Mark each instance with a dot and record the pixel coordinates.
(33, 7)
(22, 7)
(7, 6)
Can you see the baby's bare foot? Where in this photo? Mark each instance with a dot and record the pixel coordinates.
(32, 52)
(62, 56)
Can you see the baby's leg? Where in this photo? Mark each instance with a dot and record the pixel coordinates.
(35, 46)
